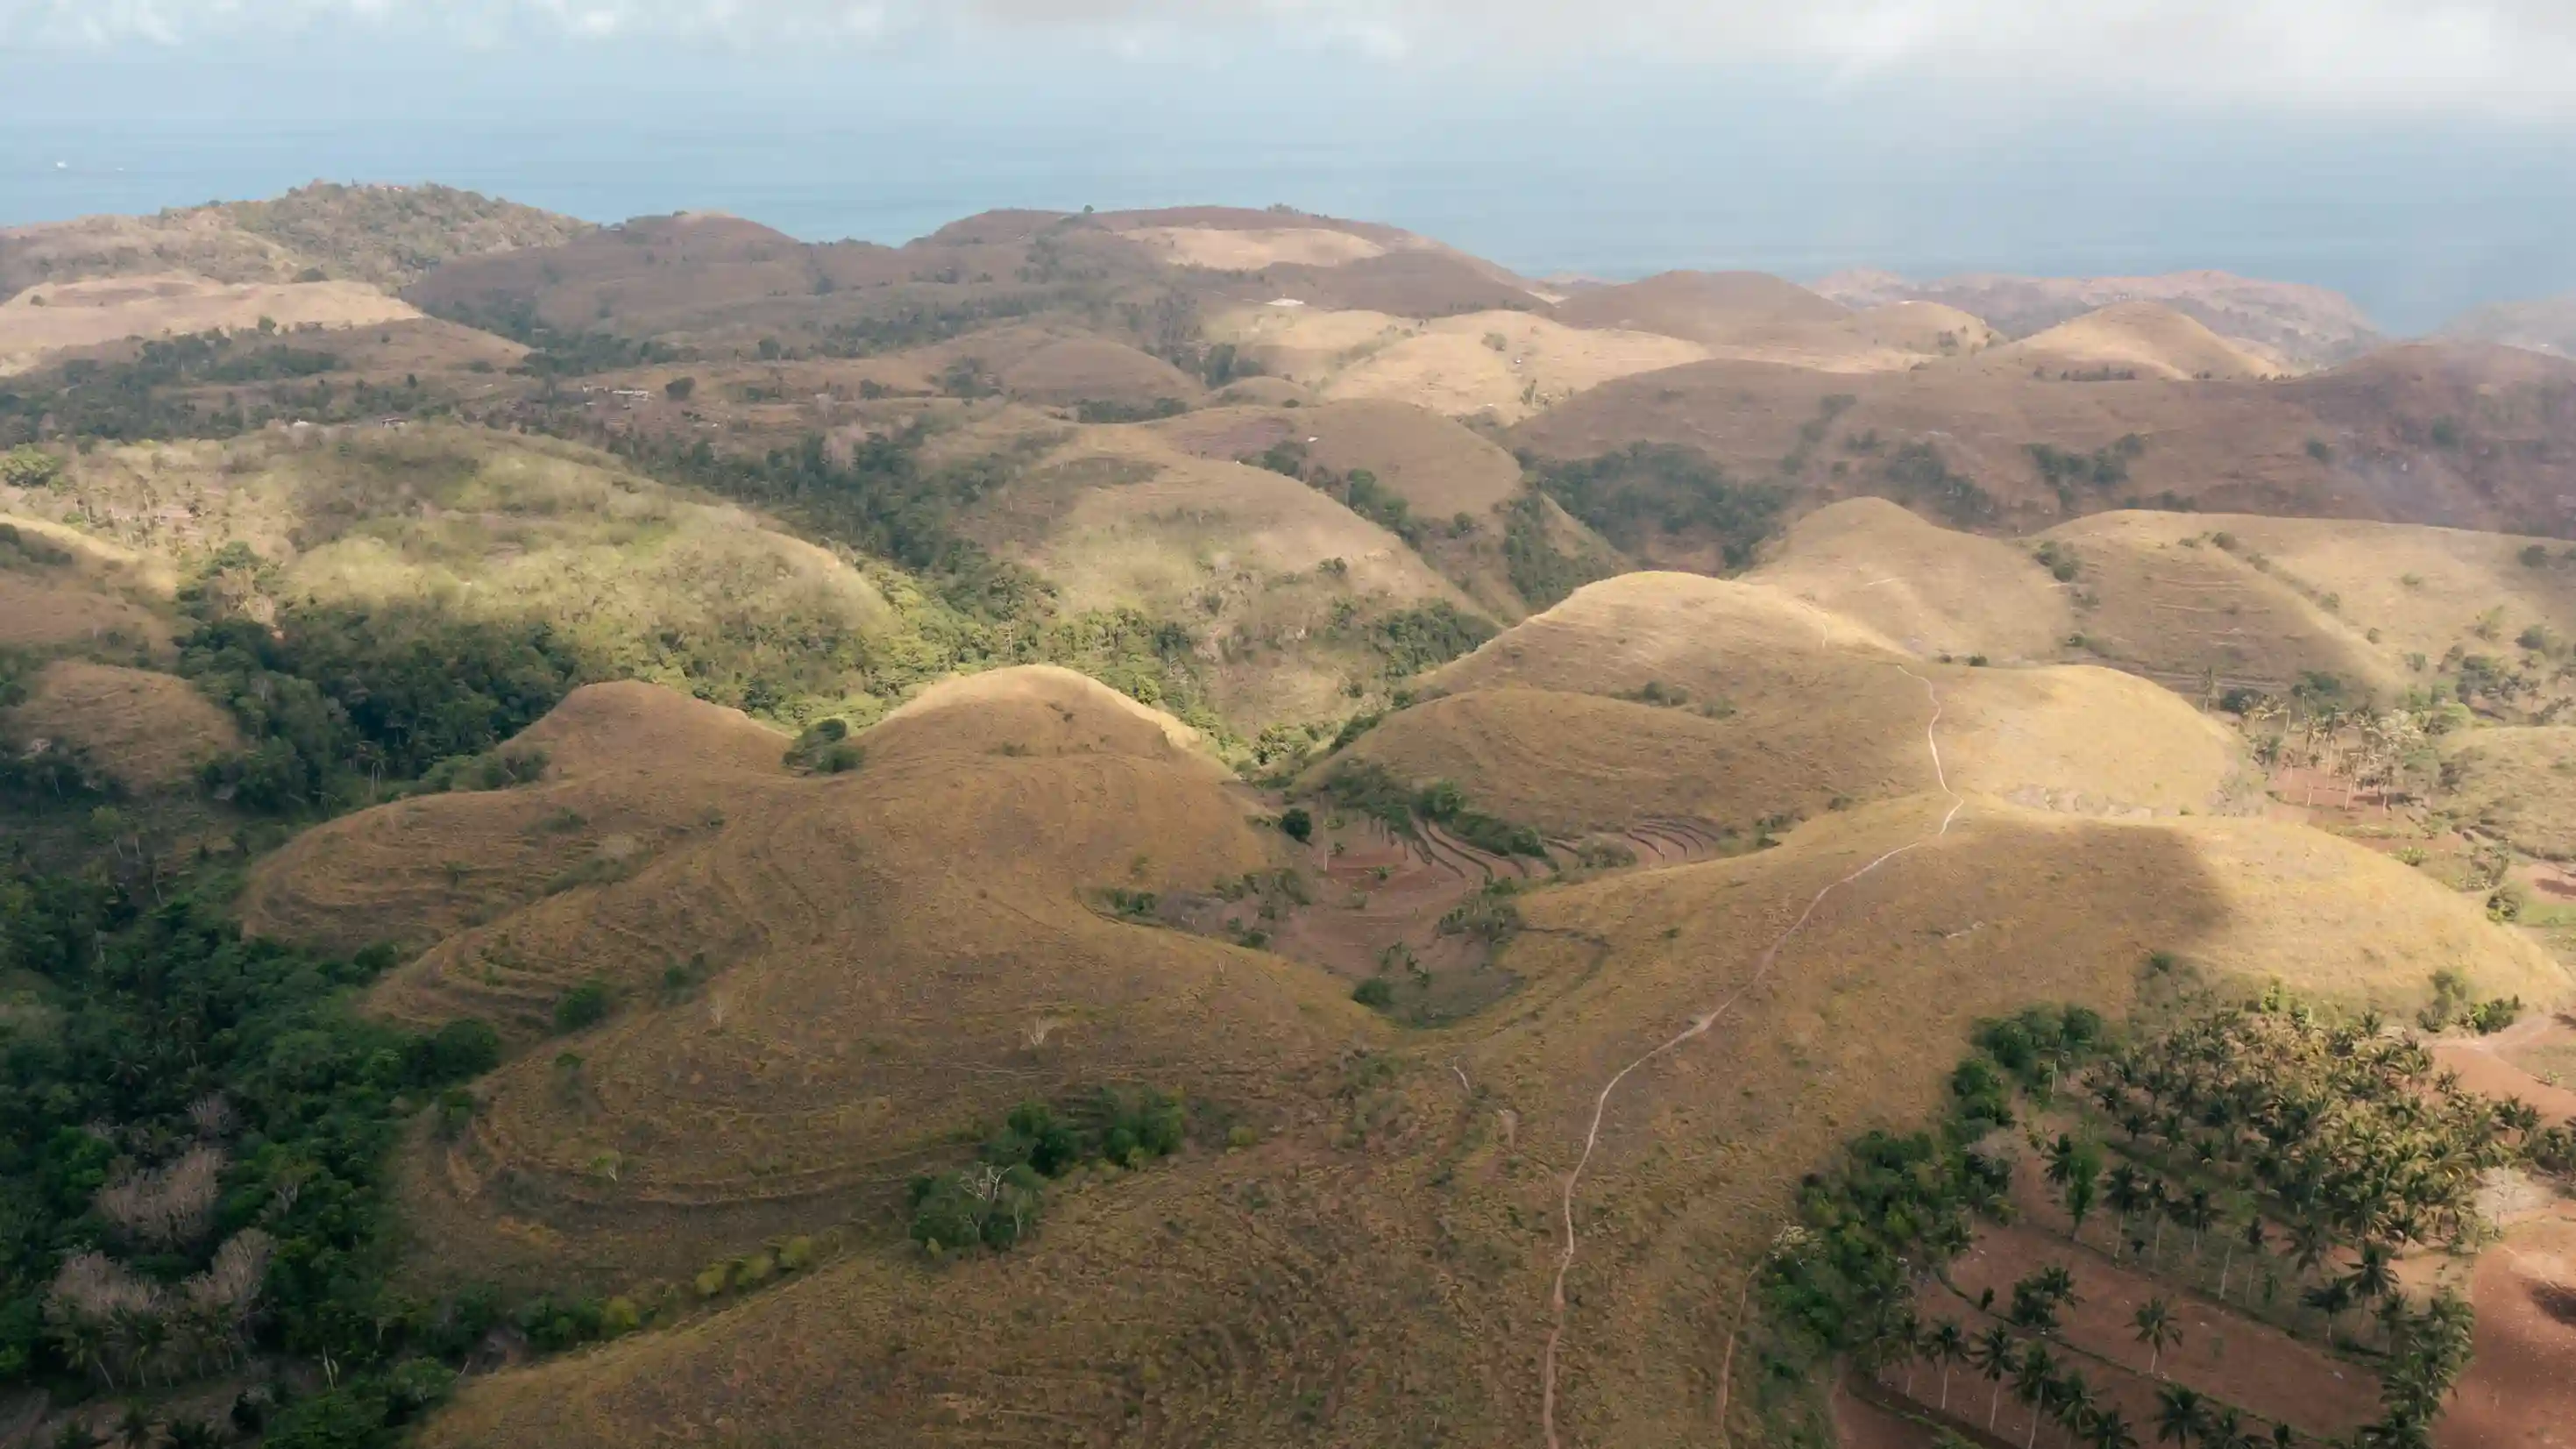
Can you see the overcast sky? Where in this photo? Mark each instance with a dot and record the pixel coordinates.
(2416, 152)
(2507, 57)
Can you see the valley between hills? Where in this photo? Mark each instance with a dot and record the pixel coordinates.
(1234, 827)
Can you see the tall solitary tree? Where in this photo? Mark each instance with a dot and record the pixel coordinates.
(2157, 1330)
(1991, 1354)
(1946, 1346)
(2180, 1413)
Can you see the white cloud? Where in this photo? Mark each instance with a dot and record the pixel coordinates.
(2469, 56)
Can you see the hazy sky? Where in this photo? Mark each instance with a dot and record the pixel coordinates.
(2421, 154)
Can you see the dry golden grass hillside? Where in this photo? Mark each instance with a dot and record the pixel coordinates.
(1436, 465)
(61, 588)
(141, 728)
(2143, 338)
(1934, 590)
(1274, 574)
(64, 315)
(822, 987)
(1386, 1262)
(383, 235)
(490, 526)
(1758, 318)
(2263, 600)
(1733, 705)
(2304, 326)
(2438, 434)
(632, 772)
(1499, 364)
(2518, 783)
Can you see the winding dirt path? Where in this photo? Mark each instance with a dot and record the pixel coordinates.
(1700, 1026)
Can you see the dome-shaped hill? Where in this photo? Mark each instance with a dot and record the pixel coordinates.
(1673, 696)
(1934, 590)
(827, 985)
(1038, 709)
(1712, 308)
(2147, 339)
(1120, 517)
(631, 771)
(1711, 638)
(1496, 363)
(1095, 369)
(1439, 466)
(1859, 1020)
(627, 727)
(1930, 328)
(142, 729)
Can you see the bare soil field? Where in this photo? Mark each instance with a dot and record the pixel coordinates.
(2516, 1391)
(2252, 1365)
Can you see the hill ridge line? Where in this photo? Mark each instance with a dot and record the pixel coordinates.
(1699, 1027)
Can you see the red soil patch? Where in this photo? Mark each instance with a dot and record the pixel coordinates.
(1860, 1424)
(2483, 1067)
(2251, 1365)
(2518, 1390)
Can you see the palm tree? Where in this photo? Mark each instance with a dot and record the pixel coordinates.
(2371, 1277)
(1945, 1345)
(2109, 1430)
(2331, 1298)
(2076, 1402)
(1991, 1353)
(2180, 1412)
(2157, 1330)
(2226, 1430)
(2126, 1192)
(134, 1431)
(2197, 1212)
(2254, 1239)
(2033, 1378)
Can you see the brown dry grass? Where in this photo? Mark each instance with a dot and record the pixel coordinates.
(2296, 594)
(2518, 783)
(1122, 517)
(1251, 249)
(2240, 446)
(144, 729)
(1935, 590)
(1384, 1264)
(1784, 711)
(2147, 338)
(632, 771)
(1438, 466)
(104, 597)
(56, 316)
(1450, 364)
(869, 957)
(1759, 318)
